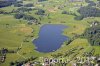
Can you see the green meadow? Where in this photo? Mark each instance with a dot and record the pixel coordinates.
(14, 31)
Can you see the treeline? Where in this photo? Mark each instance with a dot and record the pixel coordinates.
(23, 9)
(6, 3)
(91, 3)
(24, 16)
(68, 13)
(40, 12)
(20, 13)
(93, 34)
(41, 0)
(20, 3)
(15, 3)
(88, 11)
(4, 12)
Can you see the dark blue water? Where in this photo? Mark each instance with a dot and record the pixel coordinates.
(50, 38)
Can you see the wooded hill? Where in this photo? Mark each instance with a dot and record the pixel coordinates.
(93, 34)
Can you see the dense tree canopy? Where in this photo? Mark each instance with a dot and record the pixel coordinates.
(23, 9)
(28, 17)
(41, 0)
(93, 34)
(17, 5)
(40, 12)
(64, 12)
(18, 16)
(88, 11)
(29, 5)
(24, 16)
(5, 3)
(91, 3)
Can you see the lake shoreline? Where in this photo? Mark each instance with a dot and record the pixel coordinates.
(49, 37)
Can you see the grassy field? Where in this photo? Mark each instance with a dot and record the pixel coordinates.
(14, 31)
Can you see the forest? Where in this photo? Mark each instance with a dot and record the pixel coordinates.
(88, 11)
(93, 34)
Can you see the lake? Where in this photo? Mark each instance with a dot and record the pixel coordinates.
(50, 38)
